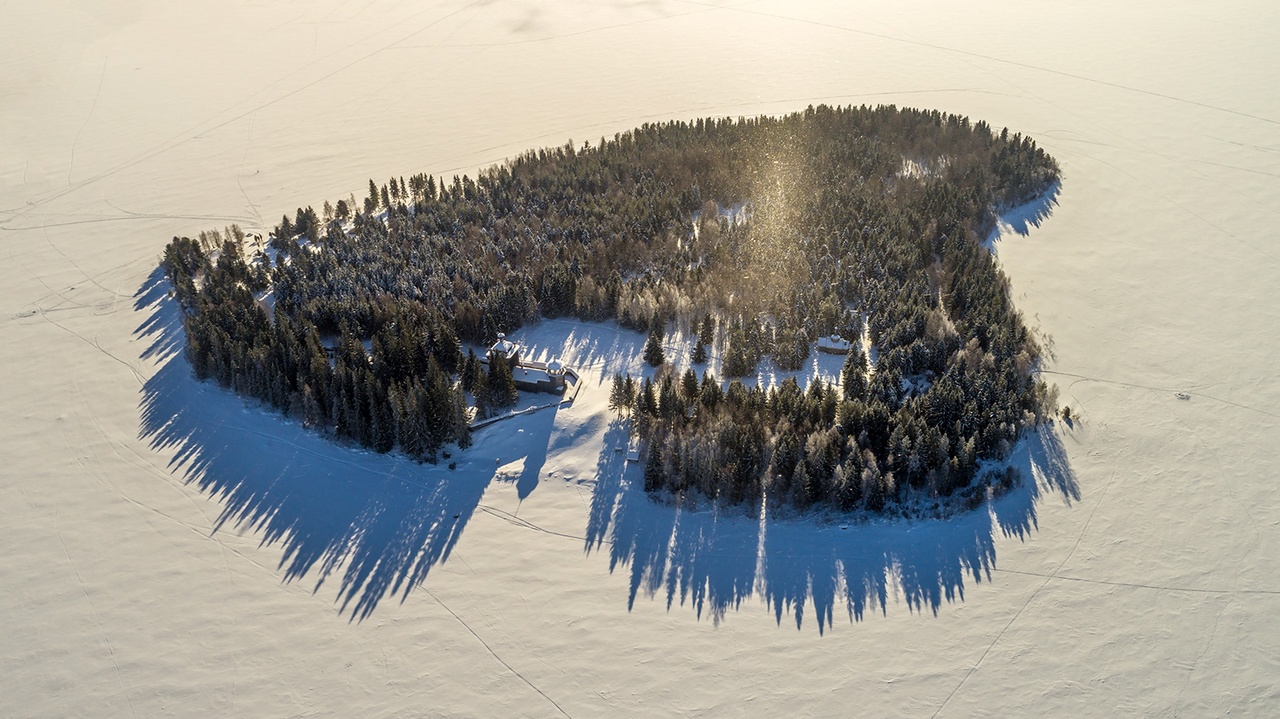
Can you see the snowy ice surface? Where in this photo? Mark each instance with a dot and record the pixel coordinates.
(170, 550)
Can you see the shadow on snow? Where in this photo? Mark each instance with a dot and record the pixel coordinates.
(1026, 217)
(714, 559)
(377, 524)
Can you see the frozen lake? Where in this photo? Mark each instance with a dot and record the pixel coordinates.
(168, 550)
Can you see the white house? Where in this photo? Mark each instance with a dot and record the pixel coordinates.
(835, 345)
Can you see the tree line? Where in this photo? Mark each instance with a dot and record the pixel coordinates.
(763, 233)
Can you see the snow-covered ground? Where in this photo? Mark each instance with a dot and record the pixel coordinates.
(167, 549)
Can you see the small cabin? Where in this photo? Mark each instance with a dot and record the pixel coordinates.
(505, 349)
(834, 345)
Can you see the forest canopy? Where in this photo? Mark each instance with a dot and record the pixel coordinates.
(762, 233)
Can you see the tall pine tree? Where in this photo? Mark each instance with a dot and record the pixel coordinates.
(653, 353)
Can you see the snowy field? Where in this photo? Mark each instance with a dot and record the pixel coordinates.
(169, 550)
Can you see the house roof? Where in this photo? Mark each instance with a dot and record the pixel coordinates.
(503, 345)
(835, 342)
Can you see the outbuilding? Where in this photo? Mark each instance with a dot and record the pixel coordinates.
(505, 349)
(834, 345)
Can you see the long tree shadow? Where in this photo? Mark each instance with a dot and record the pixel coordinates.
(714, 559)
(377, 524)
(1023, 218)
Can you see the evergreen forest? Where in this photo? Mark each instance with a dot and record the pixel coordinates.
(759, 235)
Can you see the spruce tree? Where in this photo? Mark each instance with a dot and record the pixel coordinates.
(484, 397)
(647, 399)
(502, 386)
(699, 354)
(709, 394)
(853, 376)
(689, 385)
(615, 394)
(468, 372)
(460, 424)
(706, 333)
(669, 404)
(653, 475)
(628, 392)
(653, 353)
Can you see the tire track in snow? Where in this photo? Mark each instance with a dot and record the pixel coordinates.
(1213, 634)
(94, 343)
(117, 296)
(1005, 61)
(92, 278)
(526, 524)
(1047, 578)
(495, 655)
(253, 206)
(197, 130)
(1137, 585)
(71, 165)
(143, 464)
(1238, 168)
(97, 619)
(129, 217)
(1120, 383)
(1066, 110)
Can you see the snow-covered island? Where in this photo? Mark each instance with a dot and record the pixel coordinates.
(755, 241)
(174, 548)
